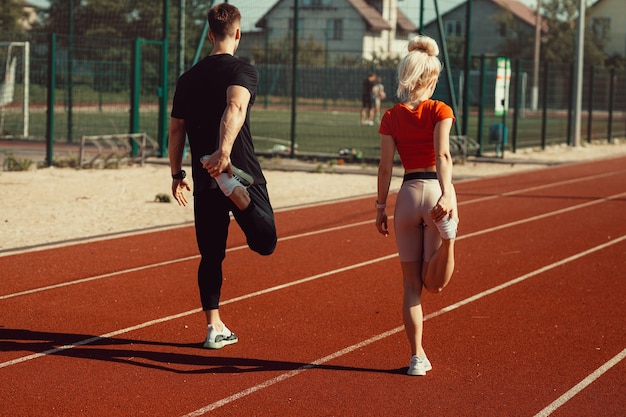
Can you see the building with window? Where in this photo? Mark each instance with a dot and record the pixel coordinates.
(343, 29)
(606, 18)
(494, 22)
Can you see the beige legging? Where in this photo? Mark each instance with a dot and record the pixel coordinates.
(417, 236)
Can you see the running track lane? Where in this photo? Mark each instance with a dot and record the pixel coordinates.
(547, 313)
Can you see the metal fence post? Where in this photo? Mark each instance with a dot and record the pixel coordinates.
(590, 105)
(544, 114)
(52, 75)
(516, 105)
(294, 78)
(570, 107)
(164, 90)
(611, 104)
(481, 106)
(135, 82)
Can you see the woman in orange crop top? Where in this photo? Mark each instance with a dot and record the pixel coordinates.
(426, 214)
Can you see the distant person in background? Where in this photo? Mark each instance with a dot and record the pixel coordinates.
(426, 214)
(367, 116)
(379, 95)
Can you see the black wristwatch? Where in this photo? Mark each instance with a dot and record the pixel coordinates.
(180, 175)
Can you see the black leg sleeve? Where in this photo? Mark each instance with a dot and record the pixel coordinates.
(257, 221)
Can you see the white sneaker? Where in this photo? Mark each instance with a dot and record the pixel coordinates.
(217, 340)
(227, 184)
(242, 176)
(447, 227)
(418, 366)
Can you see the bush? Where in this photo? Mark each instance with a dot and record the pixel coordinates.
(12, 163)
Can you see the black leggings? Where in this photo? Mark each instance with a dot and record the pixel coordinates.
(212, 218)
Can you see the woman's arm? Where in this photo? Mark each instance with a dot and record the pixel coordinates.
(385, 171)
(444, 168)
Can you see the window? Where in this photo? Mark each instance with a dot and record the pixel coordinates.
(454, 28)
(300, 24)
(601, 27)
(502, 30)
(315, 3)
(334, 29)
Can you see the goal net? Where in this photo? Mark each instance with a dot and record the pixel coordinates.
(14, 89)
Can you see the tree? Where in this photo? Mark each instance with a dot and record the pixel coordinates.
(127, 19)
(11, 12)
(518, 36)
(559, 43)
(106, 18)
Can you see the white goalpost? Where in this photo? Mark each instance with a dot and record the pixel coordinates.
(15, 52)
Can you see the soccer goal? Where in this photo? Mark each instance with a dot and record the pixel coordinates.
(14, 89)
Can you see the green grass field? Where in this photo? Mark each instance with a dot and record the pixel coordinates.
(317, 132)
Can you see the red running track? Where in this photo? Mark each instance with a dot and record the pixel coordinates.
(532, 323)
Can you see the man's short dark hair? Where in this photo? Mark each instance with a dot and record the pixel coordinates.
(222, 20)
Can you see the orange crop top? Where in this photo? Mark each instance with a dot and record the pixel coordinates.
(413, 131)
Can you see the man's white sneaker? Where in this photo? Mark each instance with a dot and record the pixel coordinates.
(419, 365)
(242, 176)
(228, 184)
(217, 340)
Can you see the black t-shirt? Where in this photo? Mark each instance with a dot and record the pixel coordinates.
(200, 99)
(367, 88)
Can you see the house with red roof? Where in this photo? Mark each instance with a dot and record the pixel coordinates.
(358, 29)
(493, 23)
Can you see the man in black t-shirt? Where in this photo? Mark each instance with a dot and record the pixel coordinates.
(212, 108)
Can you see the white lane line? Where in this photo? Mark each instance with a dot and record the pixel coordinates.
(96, 277)
(311, 278)
(544, 215)
(326, 358)
(197, 310)
(301, 235)
(164, 263)
(349, 349)
(293, 373)
(541, 187)
(97, 338)
(559, 402)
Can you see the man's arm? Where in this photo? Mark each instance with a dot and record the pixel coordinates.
(175, 148)
(233, 118)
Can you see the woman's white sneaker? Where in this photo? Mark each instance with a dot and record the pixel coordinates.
(419, 365)
(447, 227)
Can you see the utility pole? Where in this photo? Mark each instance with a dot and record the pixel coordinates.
(181, 37)
(578, 73)
(535, 90)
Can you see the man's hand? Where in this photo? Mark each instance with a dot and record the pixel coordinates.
(217, 163)
(178, 188)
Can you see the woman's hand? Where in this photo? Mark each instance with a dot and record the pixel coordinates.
(381, 222)
(444, 206)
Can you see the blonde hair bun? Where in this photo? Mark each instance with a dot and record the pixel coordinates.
(424, 44)
(419, 69)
